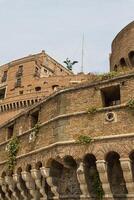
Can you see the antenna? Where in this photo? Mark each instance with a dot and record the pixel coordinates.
(82, 54)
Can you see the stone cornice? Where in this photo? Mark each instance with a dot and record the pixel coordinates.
(70, 142)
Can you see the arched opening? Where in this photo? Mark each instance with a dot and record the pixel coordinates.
(65, 178)
(115, 175)
(123, 63)
(131, 156)
(44, 183)
(22, 182)
(131, 58)
(115, 68)
(92, 177)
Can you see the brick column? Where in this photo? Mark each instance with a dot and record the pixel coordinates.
(102, 170)
(82, 181)
(127, 173)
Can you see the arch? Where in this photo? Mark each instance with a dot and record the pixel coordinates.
(28, 167)
(92, 176)
(123, 62)
(69, 161)
(65, 178)
(115, 68)
(38, 165)
(131, 156)
(115, 174)
(131, 58)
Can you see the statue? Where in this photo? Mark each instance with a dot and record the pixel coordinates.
(69, 63)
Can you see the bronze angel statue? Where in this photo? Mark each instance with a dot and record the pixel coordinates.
(69, 63)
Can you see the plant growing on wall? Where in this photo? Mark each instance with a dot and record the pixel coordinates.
(108, 75)
(13, 147)
(92, 110)
(98, 186)
(84, 139)
(130, 104)
(36, 128)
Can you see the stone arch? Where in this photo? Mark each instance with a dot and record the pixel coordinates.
(21, 181)
(43, 182)
(115, 174)
(131, 156)
(123, 62)
(92, 176)
(131, 58)
(115, 68)
(28, 167)
(64, 177)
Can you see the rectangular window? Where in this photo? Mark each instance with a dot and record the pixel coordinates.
(20, 71)
(34, 118)
(4, 77)
(10, 131)
(37, 72)
(2, 93)
(111, 96)
(18, 82)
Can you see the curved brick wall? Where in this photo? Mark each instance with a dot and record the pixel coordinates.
(122, 45)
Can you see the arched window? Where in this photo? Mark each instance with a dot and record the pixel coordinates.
(123, 62)
(131, 58)
(115, 68)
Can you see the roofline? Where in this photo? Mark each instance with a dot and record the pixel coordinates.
(32, 57)
(122, 31)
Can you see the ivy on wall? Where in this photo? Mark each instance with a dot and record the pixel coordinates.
(98, 186)
(12, 149)
(130, 104)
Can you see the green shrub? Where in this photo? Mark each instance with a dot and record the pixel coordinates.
(92, 110)
(84, 139)
(108, 75)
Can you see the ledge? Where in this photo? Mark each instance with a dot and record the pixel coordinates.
(95, 139)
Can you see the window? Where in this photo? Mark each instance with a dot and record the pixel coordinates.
(37, 89)
(2, 93)
(21, 67)
(37, 72)
(131, 58)
(111, 96)
(34, 118)
(4, 77)
(115, 68)
(18, 82)
(21, 92)
(10, 131)
(20, 71)
(123, 62)
(55, 87)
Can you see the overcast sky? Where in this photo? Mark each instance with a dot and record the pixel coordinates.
(57, 26)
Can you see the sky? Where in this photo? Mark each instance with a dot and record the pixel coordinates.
(57, 26)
